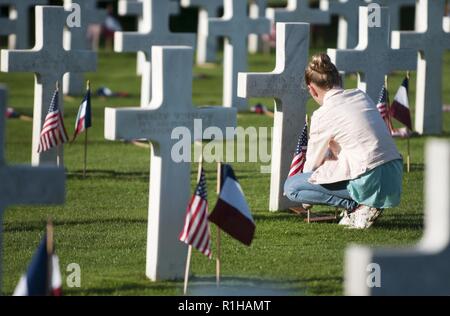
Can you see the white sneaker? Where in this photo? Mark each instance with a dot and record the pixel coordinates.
(364, 216)
(345, 220)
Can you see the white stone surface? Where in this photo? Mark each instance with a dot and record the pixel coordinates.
(431, 41)
(206, 45)
(25, 185)
(348, 24)
(286, 85)
(135, 8)
(19, 14)
(77, 38)
(257, 9)
(235, 26)
(171, 107)
(299, 11)
(49, 61)
(155, 31)
(422, 269)
(373, 58)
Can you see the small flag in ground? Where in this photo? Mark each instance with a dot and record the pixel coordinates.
(83, 121)
(232, 213)
(400, 106)
(298, 162)
(43, 277)
(196, 226)
(383, 108)
(53, 131)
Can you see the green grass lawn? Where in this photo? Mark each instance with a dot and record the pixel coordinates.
(103, 224)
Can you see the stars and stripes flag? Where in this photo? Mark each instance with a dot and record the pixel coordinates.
(300, 153)
(84, 120)
(43, 277)
(196, 226)
(383, 107)
(400, 106)
(53, 132)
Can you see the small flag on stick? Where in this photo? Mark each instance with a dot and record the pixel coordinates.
(400, 106)
(53, 132)
(84, 120)
(43, 277)
(298, 163)
(231, 213)
(383, 108)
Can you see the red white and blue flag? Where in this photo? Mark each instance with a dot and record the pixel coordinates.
(84, 120)
(232, 213)
(43, 277)
(383, 108)
(298, 163)
(53, 132)
(400, 106)
(196, 226)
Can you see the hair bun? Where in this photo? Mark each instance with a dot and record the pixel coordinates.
(322, 64)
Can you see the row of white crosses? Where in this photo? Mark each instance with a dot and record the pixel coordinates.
(76, 38)
(169, 180)
(49, 61)
(17, 25)
(155, 31)
(25, 185)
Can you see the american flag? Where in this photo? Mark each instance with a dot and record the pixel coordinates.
(53, 131)
(196, 226)
(383, 107)
(300, 153)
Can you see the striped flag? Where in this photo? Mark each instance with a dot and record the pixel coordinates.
(383, 108)
(232, 213)
(43, 277)
(400, 106)
(196, 226)
(83, 121)
(53, 131)
(300, 153)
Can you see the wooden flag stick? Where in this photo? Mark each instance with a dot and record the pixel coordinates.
(50, 249)
(88, 87)
(219, 180)
(188, 259)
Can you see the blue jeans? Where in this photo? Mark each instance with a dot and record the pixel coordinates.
(298, 189)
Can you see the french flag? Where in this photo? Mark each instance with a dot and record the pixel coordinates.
(231, 212)
(83, 121)
(400, 106)
(43, 277)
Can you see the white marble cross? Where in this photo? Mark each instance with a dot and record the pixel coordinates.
(171, 108)
(155, 31)
(257, 9)
(206, 45)
(19, 13)
(299, 11)
(135, 8)
(235, 26)
(347, 10)
(286, 85)
(25, 185)
(431, 41)
(420, 270)
(77, 38)
(49, 61)
(373, 58)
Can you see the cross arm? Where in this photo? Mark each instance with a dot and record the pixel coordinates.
(43, 185)
(218, 117)
(257, 85)
(407, 39)
(126, 42)
(348, 59)
(20, 61)
(129, 8)
(7, 26)
(218, 27)
(82, 61)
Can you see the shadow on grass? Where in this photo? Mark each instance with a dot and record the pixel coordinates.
(127, 287)
(37, 225)
(107, 174)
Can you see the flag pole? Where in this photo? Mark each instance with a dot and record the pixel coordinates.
(88, 87)
(49, 246)
(308, 210)
(391, 128)
(188, 259)
(408, 156)
(219, 178)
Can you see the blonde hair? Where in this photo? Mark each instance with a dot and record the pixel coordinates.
(322, 72)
